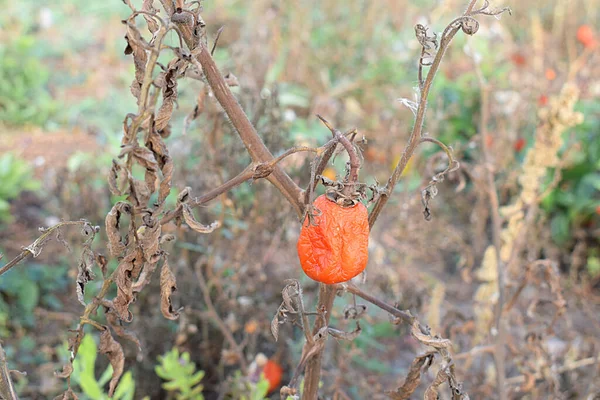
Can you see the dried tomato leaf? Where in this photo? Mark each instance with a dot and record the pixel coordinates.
(148, 7)
(140, 58)
(84, 273)
(195, 225)
(114, 353)
(113, 320)
(169, 86)
(413, 379)
(68, 395)
(148, 235)
(128, 269)
(275, 326)
(116, 244)
(435, 342)
(67, 370)
(116, 178)
(168, 285)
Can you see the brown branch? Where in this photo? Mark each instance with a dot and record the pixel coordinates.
(254, 144)
(253, 171)
(7, 388)
(312, 372)
(405, 316)
(37, 245)
(417, 130)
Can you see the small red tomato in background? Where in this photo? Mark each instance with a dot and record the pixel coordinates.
(519, 144)
(336, 249)
(489, 141)
(585, 36)
(550, 74)
(273, 373)
(598, 210)
(518, 59)
(543, 100)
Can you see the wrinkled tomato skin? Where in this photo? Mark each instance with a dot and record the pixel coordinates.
(336, 248)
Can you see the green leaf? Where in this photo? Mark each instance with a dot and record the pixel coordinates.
(559, 227)
(29, 295)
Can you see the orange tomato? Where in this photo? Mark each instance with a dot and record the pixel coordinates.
(585, 36)
(273, 373)
(550, 74)
(336, 248)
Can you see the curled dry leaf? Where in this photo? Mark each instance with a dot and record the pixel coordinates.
(84, 272)
(116, 243)
(128, 269)
(341, 335)
(117, 178)
(68, 395)
(169, 88)
(195, 225)
(140, 58)
(435, 342)
(413, 379)
(66, 371)
(165, 162)
(148, 7)
(113, 320)
(275, 326)
(168, 285)
(432, 391)
(148, 235)
(114, 353)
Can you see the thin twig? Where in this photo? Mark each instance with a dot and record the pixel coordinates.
(492, 192)
(218, 321)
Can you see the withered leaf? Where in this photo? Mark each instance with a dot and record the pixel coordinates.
(114, 353)
(435, 342)
(165, 184)
(413, 379)
(116, 244)
(341, 335)
(168, 285)
(432, 391)
(147, 6)
(140, 58)
(68, 395)
(84, 272)
(169, 93)
(129, 269)
(66, 371)
(113, 320)
(275, 326)
(145, 277)
(117, 178)
(148, 235)
(195, 225)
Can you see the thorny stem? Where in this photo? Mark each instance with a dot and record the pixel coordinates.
(417, 130)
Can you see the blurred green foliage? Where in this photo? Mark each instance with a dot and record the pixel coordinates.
(15, 176)
(23, 289)
(24, 95)
(180, 373)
